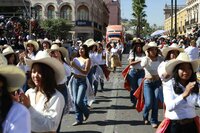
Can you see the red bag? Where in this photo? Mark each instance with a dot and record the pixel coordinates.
(126, 82)
(140, 97)
(163, 126)
(106, 72)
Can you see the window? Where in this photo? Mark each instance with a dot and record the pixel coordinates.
(38, 12)
(51, 12)
(83, 13)
(66, 12)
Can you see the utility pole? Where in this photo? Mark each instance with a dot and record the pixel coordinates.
(175, 23)
(172, 17)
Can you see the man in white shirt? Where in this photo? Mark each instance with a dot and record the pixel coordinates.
(192, 50)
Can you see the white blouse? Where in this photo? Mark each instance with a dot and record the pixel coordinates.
(176, 107)
(17, 120)
(45, 117)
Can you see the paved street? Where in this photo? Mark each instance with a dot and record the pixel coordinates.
(112, 111)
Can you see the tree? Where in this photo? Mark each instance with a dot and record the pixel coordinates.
(139, 15)
(56, 28)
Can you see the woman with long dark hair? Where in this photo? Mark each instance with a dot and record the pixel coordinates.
(81, 67)
(181, 94)
(43, 100)
(136, 72)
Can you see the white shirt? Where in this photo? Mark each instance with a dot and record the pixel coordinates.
(150, 66)
(176, 107)
(45, 117)
(17, 120)
(193, 52)
(137, 58)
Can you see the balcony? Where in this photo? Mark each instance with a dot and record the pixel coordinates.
(187, 23)
(193, 21)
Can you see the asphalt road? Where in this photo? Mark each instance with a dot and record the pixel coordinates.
(112, 111)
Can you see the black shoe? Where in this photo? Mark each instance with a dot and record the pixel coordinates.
(86, 117)
(77, 123)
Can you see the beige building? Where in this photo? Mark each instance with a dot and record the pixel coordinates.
(90, 17)
(181, 19)
(193, 15)
(188, 18)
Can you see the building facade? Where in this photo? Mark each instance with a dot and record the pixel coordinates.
(181, 20)
(193, 15)
(89, 17)
(188, 18)
(115, 11)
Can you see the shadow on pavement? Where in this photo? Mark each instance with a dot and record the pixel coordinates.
(116, 122)
(82, 132)
(115, 107)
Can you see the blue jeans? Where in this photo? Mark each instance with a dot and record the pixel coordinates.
(151, 97)
(135, 78)
(79, 87)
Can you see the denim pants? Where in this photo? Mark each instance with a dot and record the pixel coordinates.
(135, 78)
(151, 97)
(79, 87)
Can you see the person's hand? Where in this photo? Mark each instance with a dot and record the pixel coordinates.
(25, 100)
(15, 96)
(188, 89)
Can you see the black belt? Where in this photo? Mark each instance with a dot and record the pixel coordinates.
(183, 121)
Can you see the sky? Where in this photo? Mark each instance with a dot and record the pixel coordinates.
(154, 10)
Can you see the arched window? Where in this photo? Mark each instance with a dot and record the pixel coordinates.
(66, 12)
(83, 13)
(38, 11)
(51, 12)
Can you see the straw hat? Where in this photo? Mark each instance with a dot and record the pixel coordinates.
(90, 42)
(35, 44)
(8, 50)
(56, 65)
(11, 73)
(173, 46)
(181, 58)
(63, 50)
(57, 41)
(150, 45)
(46, 40)
(137, 40)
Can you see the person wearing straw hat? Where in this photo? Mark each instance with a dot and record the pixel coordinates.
(169, 52)
(15, 118)
(58, 42)
(181, 94)
(10, 55)
(31, 48)
(92, 47)
(60, 53)
(152, 82)
(44, 102)
(136, 72)
(46, 44)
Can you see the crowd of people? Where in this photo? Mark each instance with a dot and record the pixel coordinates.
(165, 71)
(50, 80)
(54, 77)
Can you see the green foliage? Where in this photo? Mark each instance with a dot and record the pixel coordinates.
(139, 15)
(56, 28)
